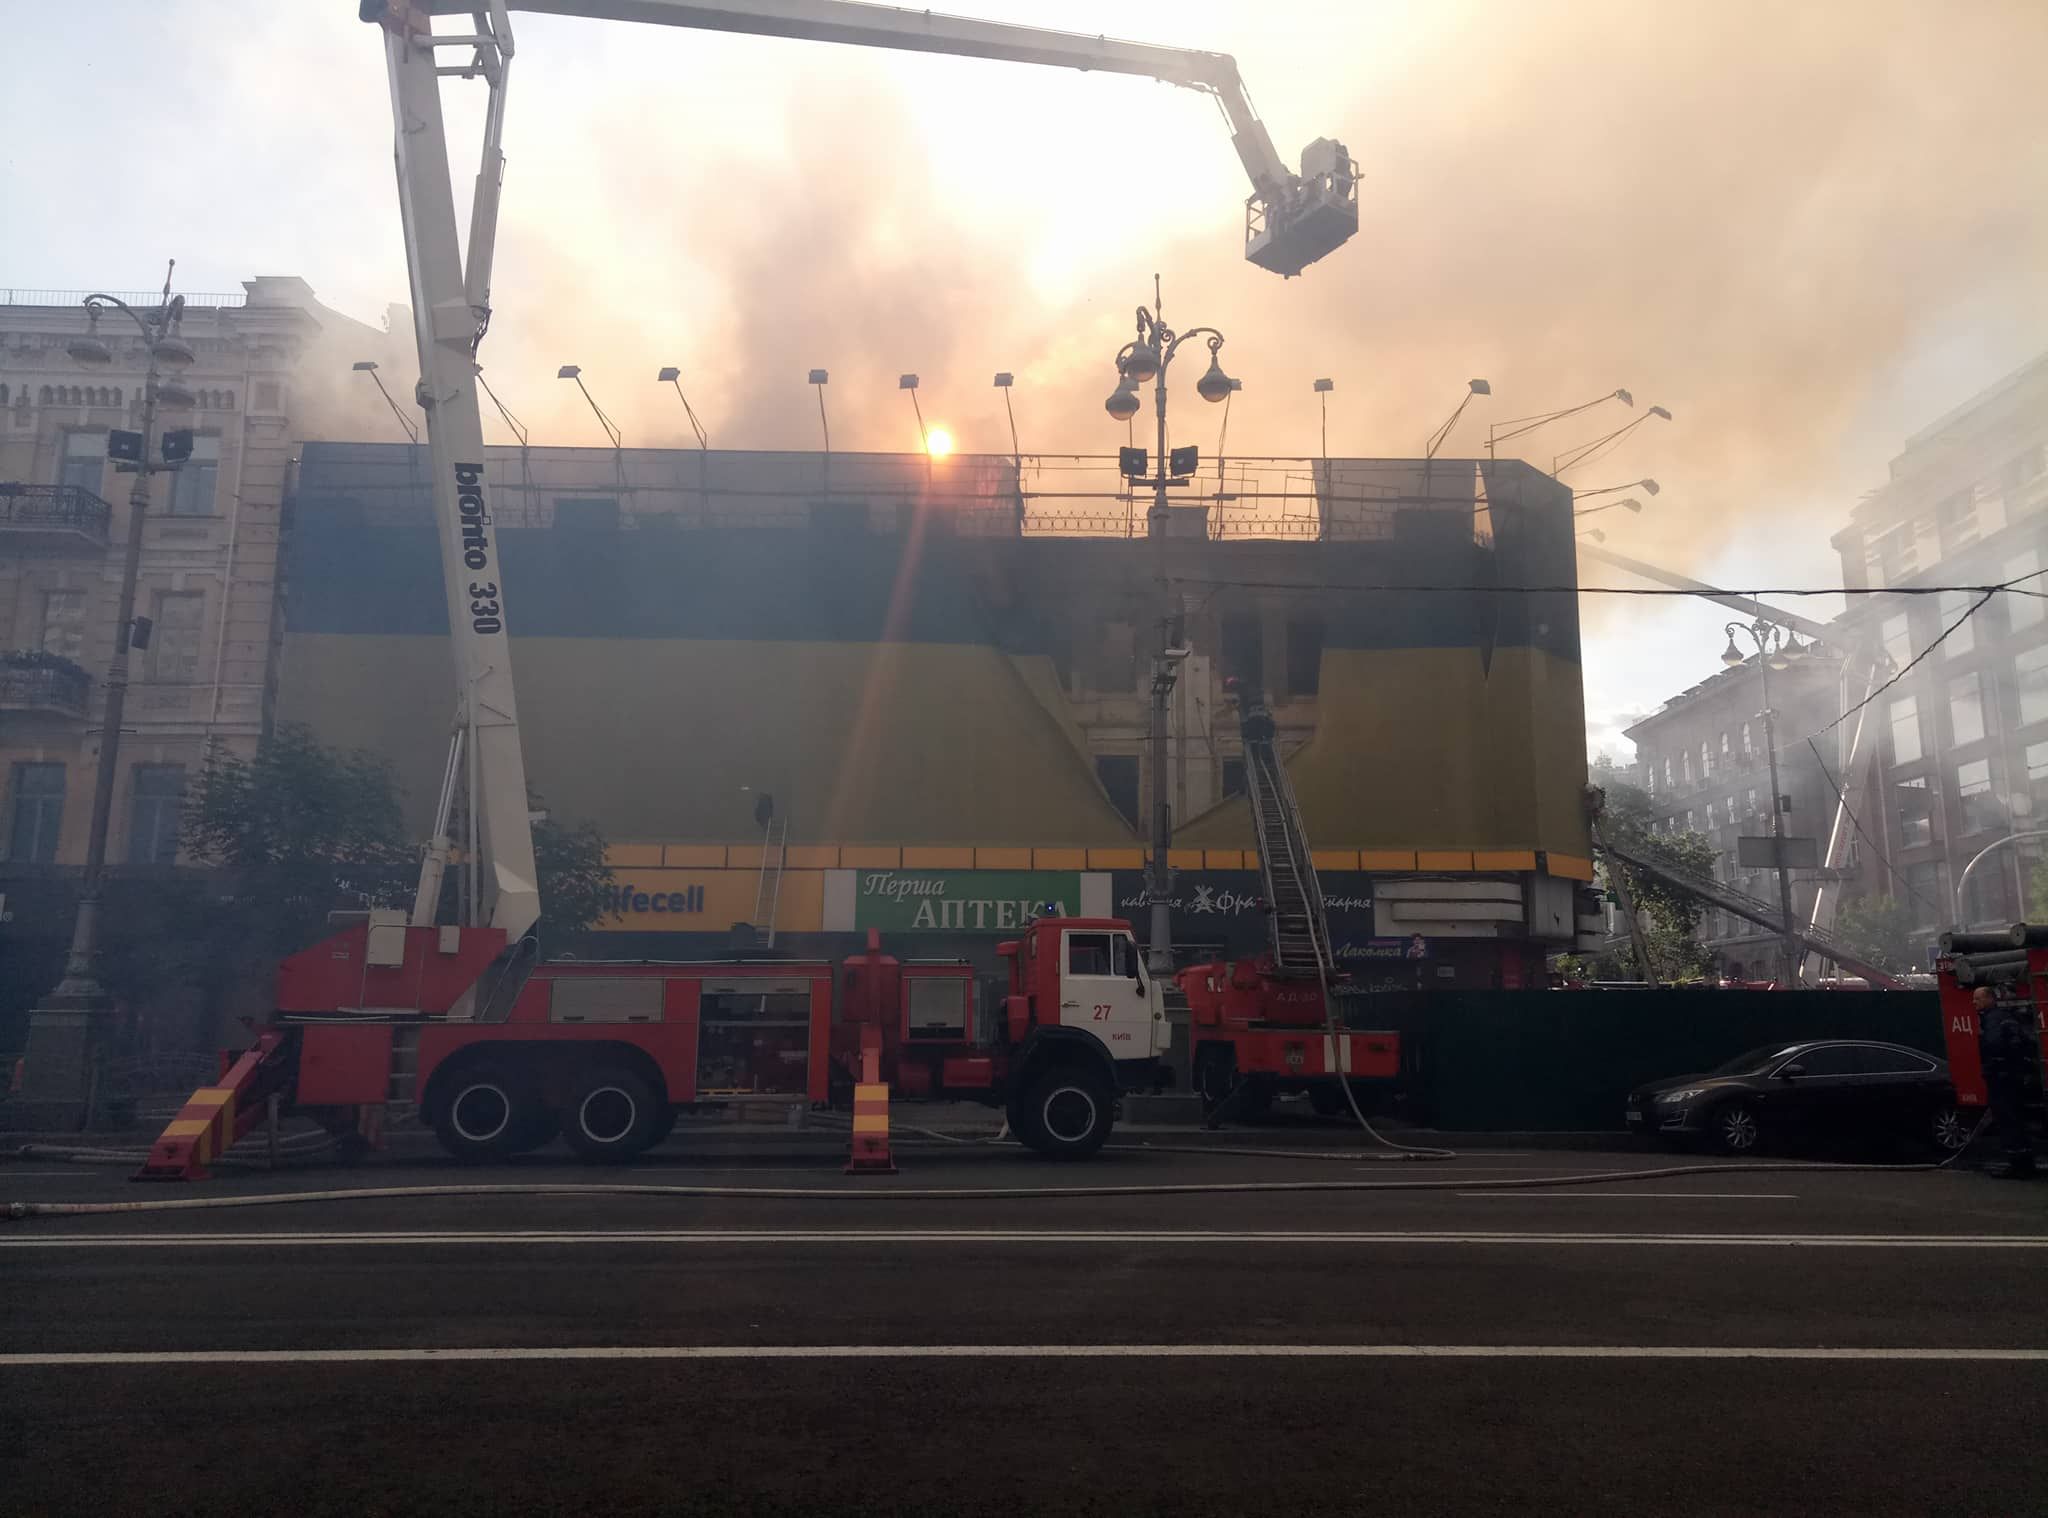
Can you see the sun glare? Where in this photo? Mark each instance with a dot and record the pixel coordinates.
(939, 442)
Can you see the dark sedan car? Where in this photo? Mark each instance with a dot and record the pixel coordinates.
(1839, 1089)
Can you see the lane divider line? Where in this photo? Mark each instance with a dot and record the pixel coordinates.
(247, 1357)
(860, 1237)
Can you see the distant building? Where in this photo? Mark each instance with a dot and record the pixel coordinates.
(1702, 759)
(272, 368)
(1956, 752)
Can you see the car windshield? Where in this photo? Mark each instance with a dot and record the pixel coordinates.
(1756, 1061)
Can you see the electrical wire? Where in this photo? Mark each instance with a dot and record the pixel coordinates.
(1908, 666)
(2008, 587)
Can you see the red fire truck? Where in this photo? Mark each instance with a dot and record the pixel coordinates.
(2014, 964)
(607, 1054)
(1264, 1026)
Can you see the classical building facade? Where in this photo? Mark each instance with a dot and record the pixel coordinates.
(271, 368)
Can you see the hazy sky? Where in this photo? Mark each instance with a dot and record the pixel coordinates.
(1805, 229)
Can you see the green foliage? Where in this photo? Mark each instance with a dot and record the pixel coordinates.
(569, 859)
(2037, 891)
(1671, 916)
(299, 830)
(1882, 930)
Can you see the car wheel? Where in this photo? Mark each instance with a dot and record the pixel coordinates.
(1734, 1129)
(610, 1115)
(488, 1109)
(1950, 1128)
(1067, 1112)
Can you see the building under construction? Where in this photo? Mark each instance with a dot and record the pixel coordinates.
(938, 668)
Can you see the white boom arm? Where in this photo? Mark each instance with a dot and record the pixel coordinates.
(1291, 220)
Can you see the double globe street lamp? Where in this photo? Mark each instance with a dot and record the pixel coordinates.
(1148, 356)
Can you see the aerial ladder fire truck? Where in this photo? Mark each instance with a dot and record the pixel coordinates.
(461, 1022)
(1268, 1025)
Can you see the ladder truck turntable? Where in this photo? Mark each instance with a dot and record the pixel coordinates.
(463, 1022)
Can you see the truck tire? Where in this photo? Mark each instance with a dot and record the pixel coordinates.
(664, 1125)
(610, 1115)
(488, 1108)
(538, 1130)
(1066, 1112)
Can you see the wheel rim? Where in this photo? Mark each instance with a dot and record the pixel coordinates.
(607, 1114)
(480, 1113)
(1950, 1131)
(1069, 1114)
(1738, 1128)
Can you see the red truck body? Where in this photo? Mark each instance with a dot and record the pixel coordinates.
(383, 1014)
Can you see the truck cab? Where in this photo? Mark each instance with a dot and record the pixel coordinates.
(1083, 1022)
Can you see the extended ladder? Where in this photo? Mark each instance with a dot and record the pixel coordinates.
(768, 892)
(1815, 940)
(1299, 929)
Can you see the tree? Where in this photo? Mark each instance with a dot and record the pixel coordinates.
(1882, 930)
(1671, 917)
(282, 839)
(299, 830)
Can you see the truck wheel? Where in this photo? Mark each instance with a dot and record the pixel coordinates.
(488, 1109)
(1067, 1112)
(664, 1125)
(610, 1115)
(539, 1128)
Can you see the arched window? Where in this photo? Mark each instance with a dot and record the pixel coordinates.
(230, 404)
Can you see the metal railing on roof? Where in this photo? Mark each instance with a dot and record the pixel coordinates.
(140, 299)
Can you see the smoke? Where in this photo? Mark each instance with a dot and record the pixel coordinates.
(1754, 216)
(1805, 230)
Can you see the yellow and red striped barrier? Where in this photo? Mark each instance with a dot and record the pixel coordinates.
(207, 1126)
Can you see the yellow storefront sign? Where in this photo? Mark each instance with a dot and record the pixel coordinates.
(710, 901)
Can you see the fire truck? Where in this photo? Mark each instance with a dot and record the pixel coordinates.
(1271, 1024)
(2013, 962)
(462, 1022)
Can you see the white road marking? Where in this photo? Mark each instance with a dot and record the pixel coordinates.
(1601, 1196)
(758, 1238)
(1017, 1352)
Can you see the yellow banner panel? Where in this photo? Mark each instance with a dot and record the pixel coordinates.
(1443, 859)
(634, 856)
(1059, 859)
(1002, 859)
(1386, 859)
(1569, 866)
(936, 857)
(869, 857)
(1116, 859)
(692, 856)
(1503, 859)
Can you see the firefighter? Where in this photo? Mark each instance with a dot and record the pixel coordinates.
(2005, 1043)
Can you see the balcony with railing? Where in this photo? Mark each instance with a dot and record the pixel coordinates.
(50, 687)
(52, 519)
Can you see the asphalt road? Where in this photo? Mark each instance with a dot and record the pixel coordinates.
(1734, 1341)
